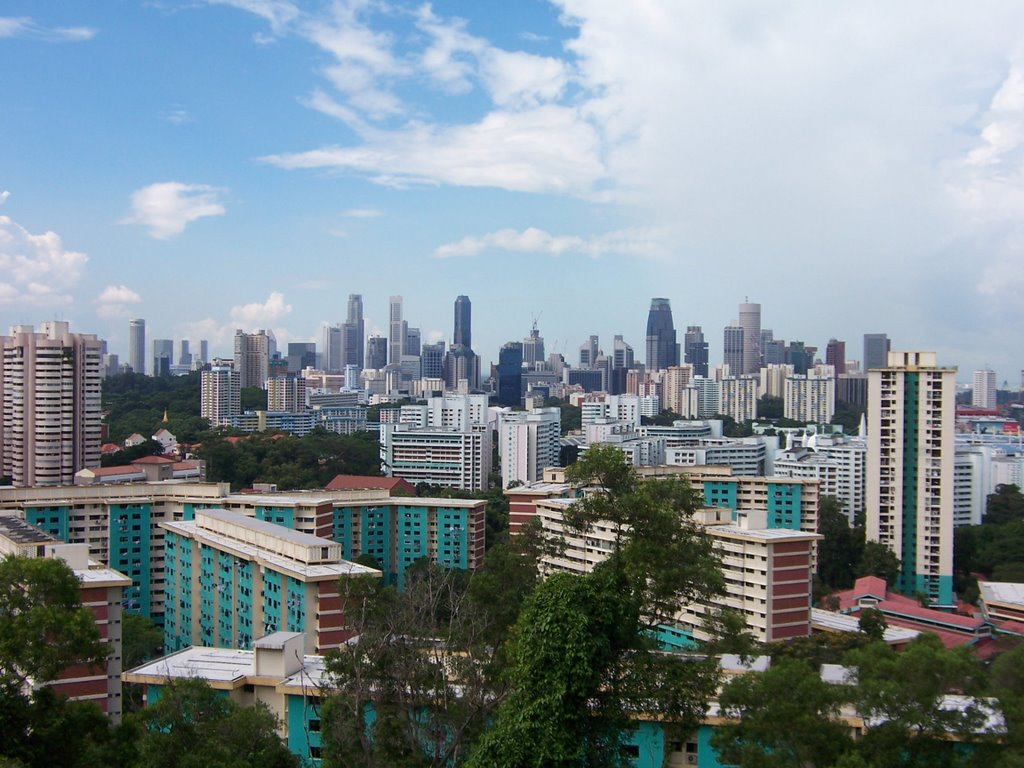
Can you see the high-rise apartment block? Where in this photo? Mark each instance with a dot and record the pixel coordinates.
(662, 349)
(137, 345)
(811, 398)
(220, 395)
(50, 403)
(286, 393)
(739, 397)
(252, 358)
(750, 322)
(910, 469)
(876, 351)
(983, 394)
(528, 443)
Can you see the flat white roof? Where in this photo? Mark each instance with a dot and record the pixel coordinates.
(840, 622)
(274, 560)
(221, 665)
(768, 534)
(1002, 592)
(263, 526)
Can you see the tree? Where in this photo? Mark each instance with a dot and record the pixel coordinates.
(43, 626)
(840, 551)
(872, 623)
(1006, 505)
(878, 560)
(193, 726)
(769, 407)
(784, 716)
(902, 693)
(141, 640)
(583, 660)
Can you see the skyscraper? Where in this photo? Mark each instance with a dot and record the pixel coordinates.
(163, 356)
(835, 355)
(220, 395)
(252, 358)
(463, 322)
(983, 394)
(662, 349)
(533, 347)
(910, 470)
(50, 403)
(696, 350)
(588, 353)
(355, 332)
(750, 322)
(510, 374)
(396, 333)
(876, 351)
(137, 345)
(732, 349)
(376, 352)
(622, 354)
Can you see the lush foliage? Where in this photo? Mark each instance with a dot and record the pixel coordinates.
(996, 547)
(290, 462)
(844, 555)
(133, 402)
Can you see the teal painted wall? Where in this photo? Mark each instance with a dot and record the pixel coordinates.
(303, 718)
(129, 552)
(784, 505)
(52, 519)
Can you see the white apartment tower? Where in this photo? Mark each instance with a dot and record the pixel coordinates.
(910, 470)
(983, 394)
(811, 398)
(221, 394)
(739, 397)
(50, 401)
(528, 443)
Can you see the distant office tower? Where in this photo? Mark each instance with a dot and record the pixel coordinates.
(204, 351)
(750, 322)
(184, 354)
(773, 352)
(533, 347)
(662, 349)
(732, 349)
(622, 354)
(463, 322)
(354, 332)
(766, 337)
(376, 352)
(510, 374)
(432, 361)
(333, 347)
(396, 333)
(588, 353)
(163, 356)
(696, 350)
(797, 356)
(252, 358)
(983, 395)
(528, 443)
(835, 355)
(301, 354)
(220, 395)
(50, 403)
(852, 388)
(461, 364)
(137, 345)
(412, 342)
(910, 470)
(876, 351)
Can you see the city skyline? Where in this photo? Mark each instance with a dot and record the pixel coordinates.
(163, 161)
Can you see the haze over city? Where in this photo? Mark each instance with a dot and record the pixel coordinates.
(249, 163)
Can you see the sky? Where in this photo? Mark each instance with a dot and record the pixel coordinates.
(854, 167)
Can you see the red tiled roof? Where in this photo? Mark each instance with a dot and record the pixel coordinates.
(1013, 627)
(114, 471)
(914, 611)
(369, 482)
(182, 465)
(153, 460)
(110, 448)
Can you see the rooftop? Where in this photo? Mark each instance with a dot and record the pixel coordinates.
(20, 532)
(1002, 592)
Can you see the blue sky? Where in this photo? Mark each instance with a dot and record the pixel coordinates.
(249, 163)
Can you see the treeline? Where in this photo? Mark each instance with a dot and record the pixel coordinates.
(132, 402)
(288, 461)
(994, 549)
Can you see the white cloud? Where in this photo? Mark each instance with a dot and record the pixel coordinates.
(545, 149)
(362, 213)
(25, 27)
(177, 116)
(116, 301)
(3, 196)
(277, 12)
(166, 208)
(261, 315)
(36, 270)
(641, 243)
